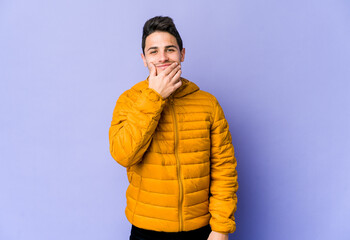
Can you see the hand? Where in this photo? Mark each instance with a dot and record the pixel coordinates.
(167, 81)
(218, 236)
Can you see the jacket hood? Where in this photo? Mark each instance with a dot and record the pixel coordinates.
(186, 88)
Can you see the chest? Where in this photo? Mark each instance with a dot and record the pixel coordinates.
(184, 123)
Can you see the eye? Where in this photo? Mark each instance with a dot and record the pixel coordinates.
(170, 50)
(153, 52)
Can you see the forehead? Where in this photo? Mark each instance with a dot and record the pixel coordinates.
(160, 39)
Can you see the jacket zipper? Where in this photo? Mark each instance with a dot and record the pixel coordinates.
(178, 167)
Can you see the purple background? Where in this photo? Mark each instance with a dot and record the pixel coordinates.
(280, 69)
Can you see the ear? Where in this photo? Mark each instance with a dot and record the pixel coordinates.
(183, 51)
(144, 59)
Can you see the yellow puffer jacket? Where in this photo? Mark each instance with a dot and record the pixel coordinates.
(179, 158)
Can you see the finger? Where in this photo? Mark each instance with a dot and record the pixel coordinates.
(176, 77)
(153, 70)
(170, 68)
(174, 71)
(178, 84)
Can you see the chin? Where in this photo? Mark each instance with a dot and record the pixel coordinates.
(160, 69)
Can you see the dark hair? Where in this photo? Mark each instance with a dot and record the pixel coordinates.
(162, 24)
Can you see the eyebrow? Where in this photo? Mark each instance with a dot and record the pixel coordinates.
(168, 46)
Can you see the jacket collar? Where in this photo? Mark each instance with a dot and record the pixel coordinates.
(186, 88)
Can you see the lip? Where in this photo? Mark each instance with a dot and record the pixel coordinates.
(164, 65)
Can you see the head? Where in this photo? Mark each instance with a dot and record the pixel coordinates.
(161, 43)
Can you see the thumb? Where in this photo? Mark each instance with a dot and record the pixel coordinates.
(152, 70)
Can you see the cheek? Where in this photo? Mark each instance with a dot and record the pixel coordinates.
(150, 60)
(176, 57)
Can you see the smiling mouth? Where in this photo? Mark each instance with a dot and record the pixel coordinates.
(164, 65)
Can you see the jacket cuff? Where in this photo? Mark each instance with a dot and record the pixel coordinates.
(228, 227)
(150, 102)
(153, 94)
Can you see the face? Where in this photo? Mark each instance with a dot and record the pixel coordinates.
(162, 50)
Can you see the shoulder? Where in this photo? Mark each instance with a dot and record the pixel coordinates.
(208, 97)
(140, 86)
(133, 92)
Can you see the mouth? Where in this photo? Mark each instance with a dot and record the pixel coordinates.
(164, 65)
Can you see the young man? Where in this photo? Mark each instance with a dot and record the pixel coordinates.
(175, 142)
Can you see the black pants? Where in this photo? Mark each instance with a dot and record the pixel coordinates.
(143, 234)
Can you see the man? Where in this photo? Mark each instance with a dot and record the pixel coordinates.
(175, 142)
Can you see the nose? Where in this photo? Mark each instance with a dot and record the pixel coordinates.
(163, 57)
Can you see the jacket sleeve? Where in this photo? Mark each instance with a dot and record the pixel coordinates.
(224, 185)
(135, 118)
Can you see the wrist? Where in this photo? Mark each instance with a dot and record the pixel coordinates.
(218, 236)
(221, 233)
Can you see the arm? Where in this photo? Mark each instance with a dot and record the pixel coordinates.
(223, 186)
(136, 115)
(134, 121)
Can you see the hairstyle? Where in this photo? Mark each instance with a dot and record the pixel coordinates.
(162, 24)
